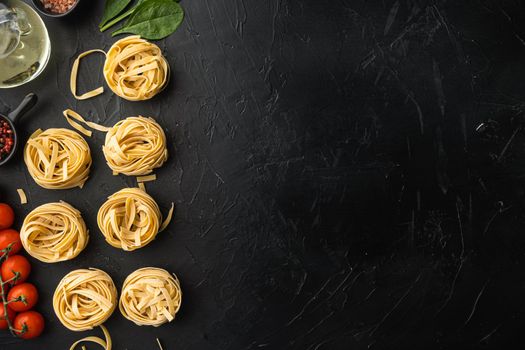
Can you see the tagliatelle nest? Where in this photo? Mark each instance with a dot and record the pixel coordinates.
(130, 219)
(135, 146)
(150, 297)
(135, 69)
(84, 299)
(54, 232)
(57, 158)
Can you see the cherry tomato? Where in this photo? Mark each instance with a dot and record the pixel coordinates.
(13, 264)
(28, 295)
(10, 313)
(10, 236)
(7, 216)
(29, 324)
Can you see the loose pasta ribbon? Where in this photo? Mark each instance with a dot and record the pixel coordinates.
(105, 343)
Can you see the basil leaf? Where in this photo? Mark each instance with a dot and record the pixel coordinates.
(153, 19)
(112, 9)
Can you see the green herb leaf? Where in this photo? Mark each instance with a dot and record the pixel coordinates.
(112, 9)
(122, 16)
(154, 19)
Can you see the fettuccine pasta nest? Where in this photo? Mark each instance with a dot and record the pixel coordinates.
(135, 146)
(84, 299)
(57, 158)
(135, 70)
(54, 232)
(150, 297)
(130, 219)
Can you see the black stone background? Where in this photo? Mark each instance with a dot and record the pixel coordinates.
(348, 174)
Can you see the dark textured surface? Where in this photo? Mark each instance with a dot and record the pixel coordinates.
(332, 191)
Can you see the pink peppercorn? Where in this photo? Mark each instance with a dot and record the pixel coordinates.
(6, 138)
(58, 6)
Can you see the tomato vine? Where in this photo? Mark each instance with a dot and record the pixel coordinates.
(3, 257)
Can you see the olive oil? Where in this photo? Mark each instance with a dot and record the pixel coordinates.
(31, 55)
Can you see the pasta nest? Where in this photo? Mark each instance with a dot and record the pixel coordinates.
(135, 69)
(54, 232)
(150, 297)
(84, 299)
(135, 146)
(57, 158)
(129, 219)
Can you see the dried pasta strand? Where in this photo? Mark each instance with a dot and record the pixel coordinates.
(22, 195)
(167, 221)
(150, 297)
(70, 114)
(54, 232)
(142, 186)
(73, 78)
(147, 178)
(105, 343)
(84, 299)
(160, 345)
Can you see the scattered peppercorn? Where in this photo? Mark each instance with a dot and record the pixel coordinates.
(58, 6)
(6, 138)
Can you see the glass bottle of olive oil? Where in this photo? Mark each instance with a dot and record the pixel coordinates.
(24, 43)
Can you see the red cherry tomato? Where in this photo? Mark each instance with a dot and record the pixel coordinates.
(7, 216)
(29, 324)
(15, 264)
(28, 295)
(10, 313)
(10, 236)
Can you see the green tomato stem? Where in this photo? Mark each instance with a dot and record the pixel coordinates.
(2, 291)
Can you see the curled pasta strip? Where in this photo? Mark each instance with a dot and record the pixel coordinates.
(105, 343)
(22, 195)
(73, 78)
(54, 232)
(150, 297)
(135, 69)
(84, 299)
(130, 219)
(57, 158)
(135, 146)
